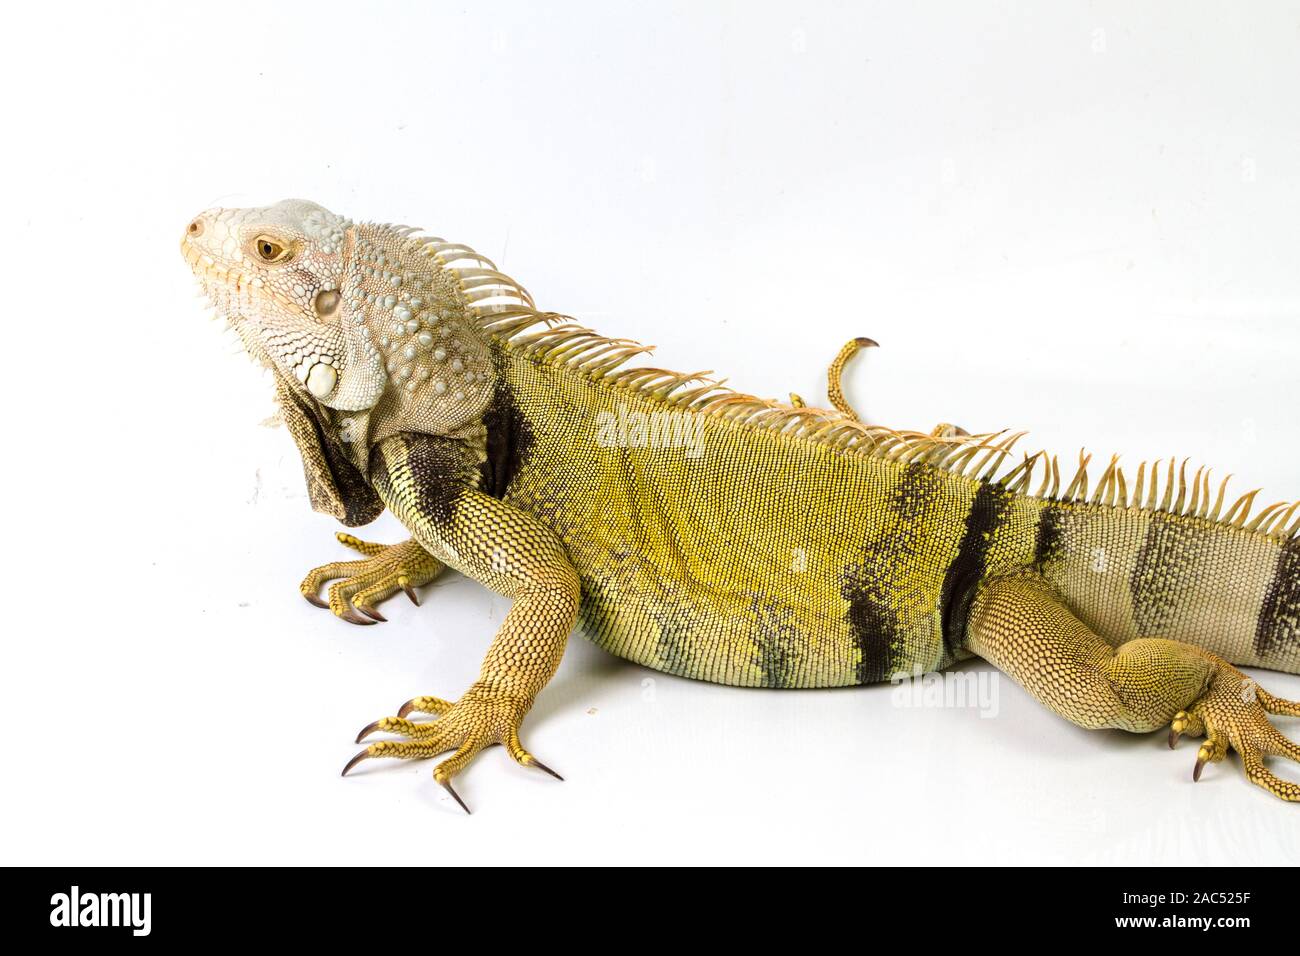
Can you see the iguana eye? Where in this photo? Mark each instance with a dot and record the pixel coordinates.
(268, 250)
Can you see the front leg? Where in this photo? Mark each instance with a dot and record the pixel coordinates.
(430, 485)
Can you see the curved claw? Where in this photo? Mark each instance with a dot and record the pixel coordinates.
(352, 617)
(1214, 749)
(1181, 722)
(446, 785)
(366, 731)
(405, 584)
(1202, 758)
(406, 708)
(521, 756)
(313, 599)
(533, 761)
(370, 612)
(355, 760)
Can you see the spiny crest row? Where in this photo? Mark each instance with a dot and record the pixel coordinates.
(1180, 496)
(505, 310)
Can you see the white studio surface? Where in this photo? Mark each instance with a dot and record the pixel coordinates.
(1079, 220)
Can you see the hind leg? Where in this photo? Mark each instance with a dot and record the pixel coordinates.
(1018, 625)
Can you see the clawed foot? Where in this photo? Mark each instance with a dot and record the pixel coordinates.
(1233, 713)
(479, 719)
(384, 571)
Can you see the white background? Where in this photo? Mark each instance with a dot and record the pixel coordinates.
(1077, 218)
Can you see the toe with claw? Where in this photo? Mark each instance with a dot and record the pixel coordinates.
(358, 586)
(1232, 714)
(480, 718)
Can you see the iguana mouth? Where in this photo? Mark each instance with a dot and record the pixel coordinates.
(230, 290)
(211, 278)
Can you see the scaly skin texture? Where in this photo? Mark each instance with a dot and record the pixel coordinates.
(719, 536)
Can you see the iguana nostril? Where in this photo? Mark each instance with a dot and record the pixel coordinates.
(195, 229)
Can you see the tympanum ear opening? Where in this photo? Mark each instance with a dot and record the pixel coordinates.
(326, 303)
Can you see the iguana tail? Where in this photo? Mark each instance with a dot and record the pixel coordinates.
(1225, 585)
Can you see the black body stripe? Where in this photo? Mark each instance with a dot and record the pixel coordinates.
(866, 587)
(964, 574)
(509, 439)
(1049, 537)
(1279, 616)
(876, 630)
(1163, 575)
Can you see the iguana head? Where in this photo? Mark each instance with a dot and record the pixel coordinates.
(362, 316)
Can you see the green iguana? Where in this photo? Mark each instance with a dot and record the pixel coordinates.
(715, 535)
